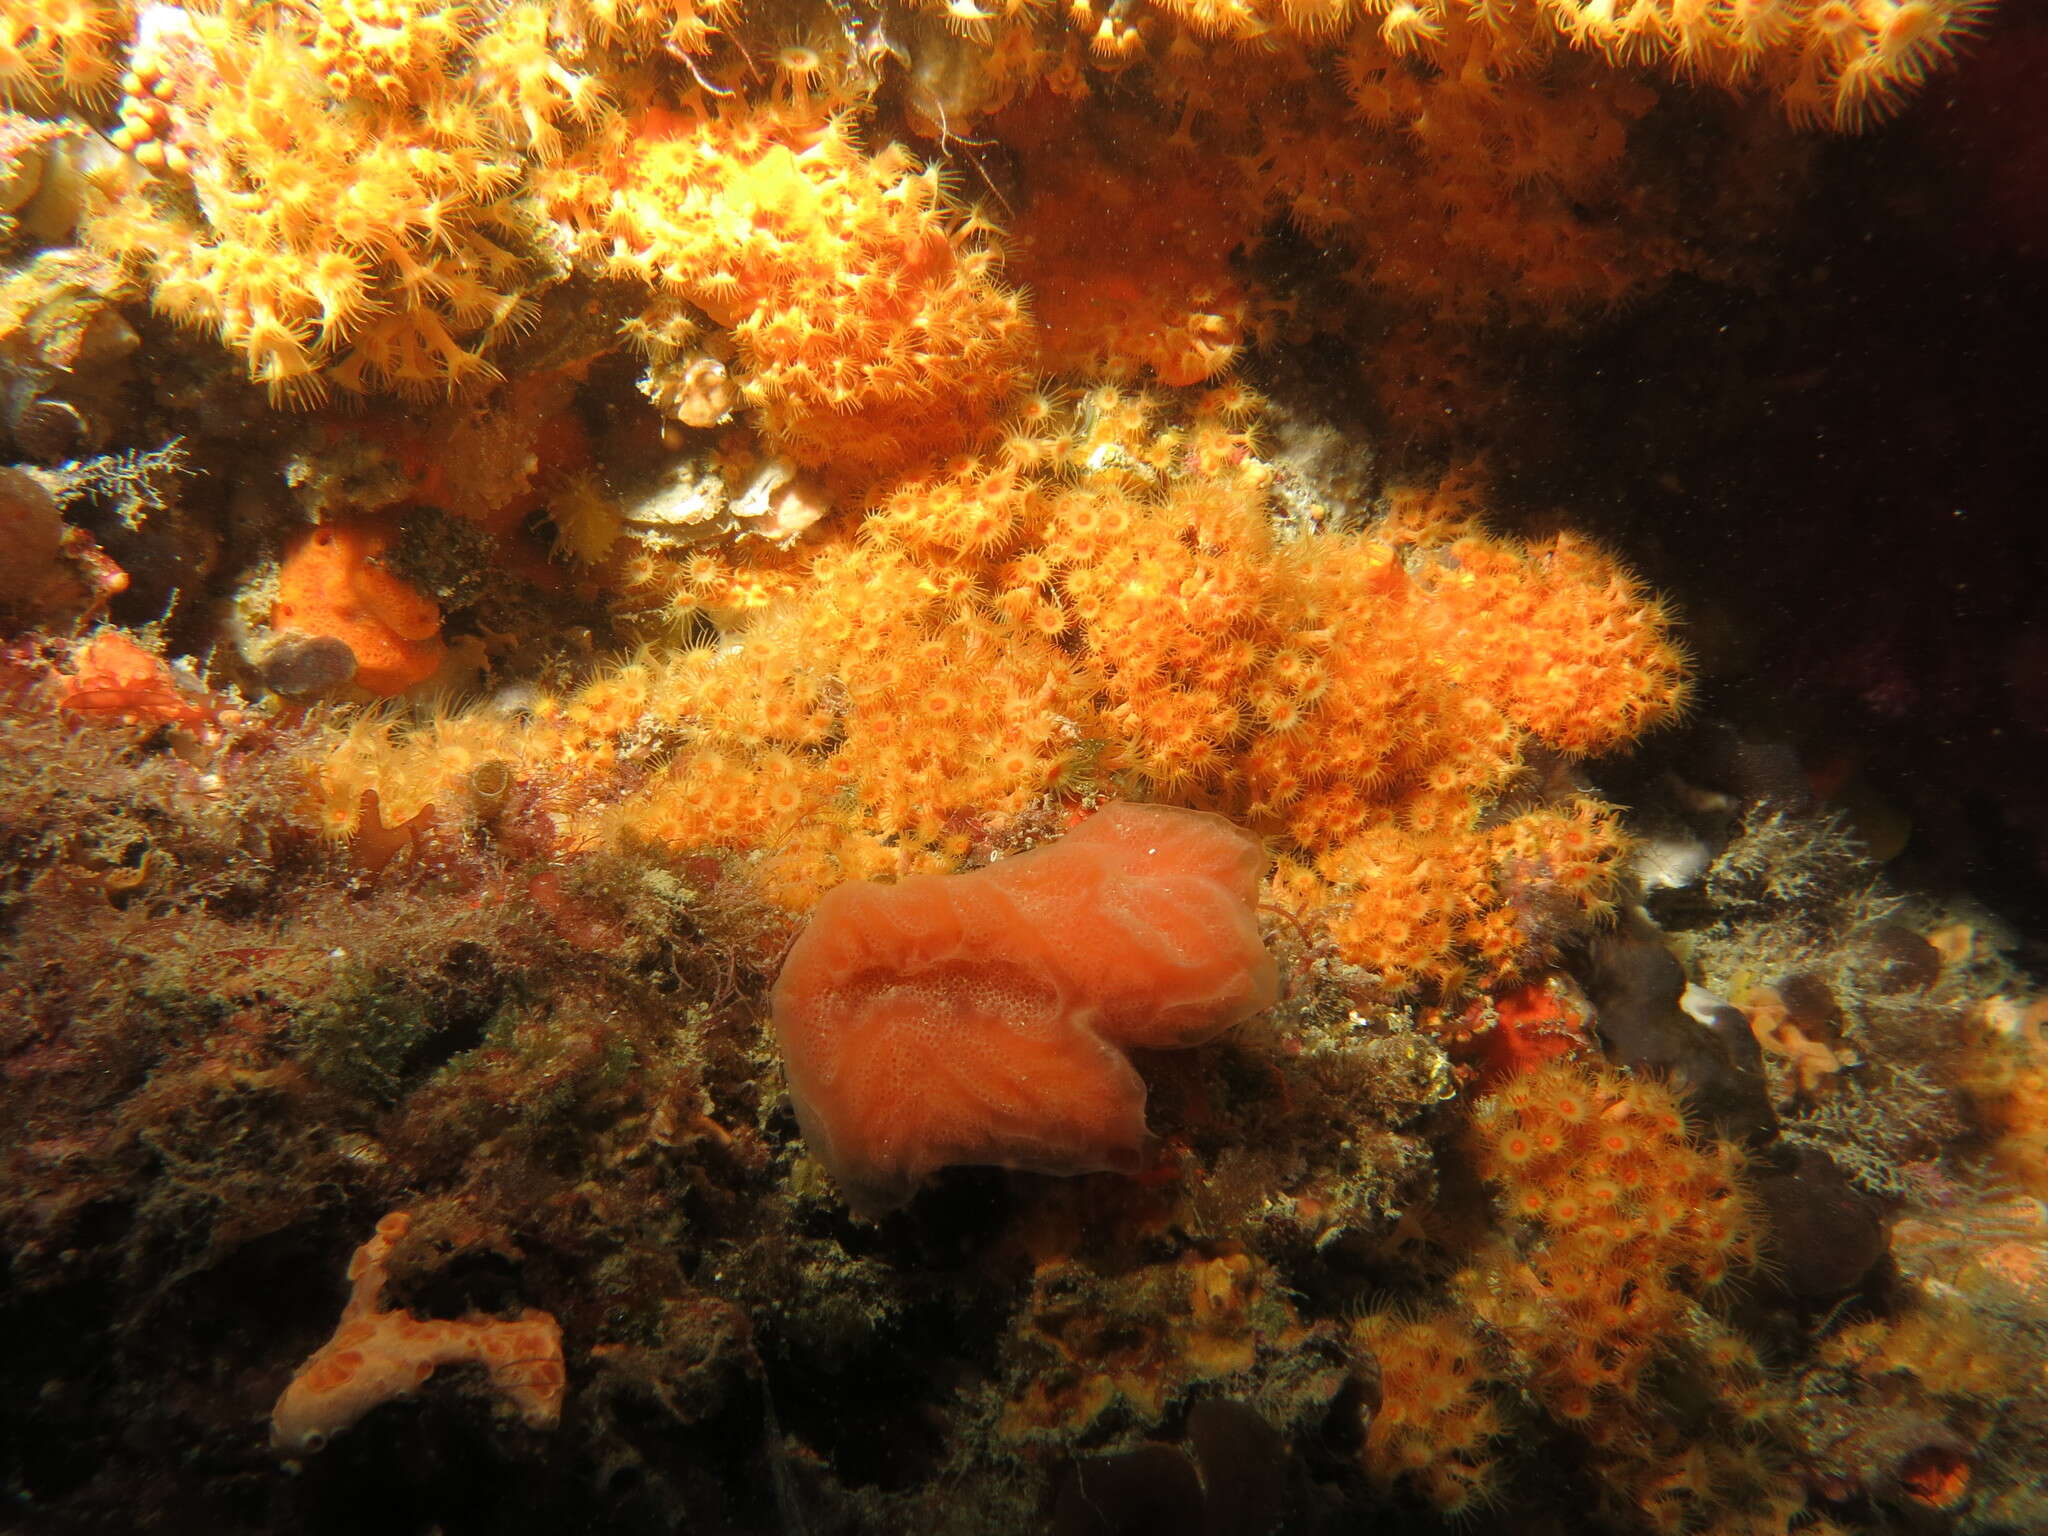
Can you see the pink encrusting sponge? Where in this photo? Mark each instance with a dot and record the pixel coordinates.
(983, 1017)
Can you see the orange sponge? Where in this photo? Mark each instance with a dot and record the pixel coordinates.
(333, 583)
(114, 681)
(378, 1354)
(983, 1018)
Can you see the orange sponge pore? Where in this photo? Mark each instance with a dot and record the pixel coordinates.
(983, 1018)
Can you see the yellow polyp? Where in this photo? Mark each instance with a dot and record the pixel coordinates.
(359, 264)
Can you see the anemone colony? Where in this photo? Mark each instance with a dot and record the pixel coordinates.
(520, 503)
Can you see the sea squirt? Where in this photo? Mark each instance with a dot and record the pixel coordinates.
(983, 1018)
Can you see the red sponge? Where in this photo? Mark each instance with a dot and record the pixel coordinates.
(983, 1018)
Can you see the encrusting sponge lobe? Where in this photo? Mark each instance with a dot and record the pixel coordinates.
(982, 1018)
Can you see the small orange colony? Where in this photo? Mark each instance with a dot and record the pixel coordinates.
(369, 194)
(385, 49)
(1453, 902)
(2005, 1072)
(1477, 191)
(1103, 605)
(1437, 1420)
(330, 206)
(1622, 1228)
(376, 778)
(866, 728)
(341, 192)
(1834, 62)
(1831, 62)
(51, 50)
(1625, 1220)
(1936, 1345)
(1125, 248)
(861, 300)
(675, 27)
(1466, 162)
